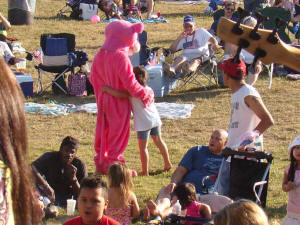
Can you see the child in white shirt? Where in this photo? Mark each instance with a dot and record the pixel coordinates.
(146, 122)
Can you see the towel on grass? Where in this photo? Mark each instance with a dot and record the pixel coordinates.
(165, 109)
(133, 20)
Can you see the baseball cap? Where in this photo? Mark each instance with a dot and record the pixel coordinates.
(234, 69)
(188, 19)
(293, 144)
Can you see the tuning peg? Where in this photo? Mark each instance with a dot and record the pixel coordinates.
(242, 14)
(259, 53)
(254, 35)
(272, 37)
(243, 43)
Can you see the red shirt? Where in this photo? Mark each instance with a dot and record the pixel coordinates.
(104, 221)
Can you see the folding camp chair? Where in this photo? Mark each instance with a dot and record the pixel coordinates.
(146, 54)
(249, 174)
(57, 61)
(205, 76)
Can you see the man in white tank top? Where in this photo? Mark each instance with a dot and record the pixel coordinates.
(248, 113)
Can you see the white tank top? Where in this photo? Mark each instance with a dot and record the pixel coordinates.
(144, 118)
(242, 119)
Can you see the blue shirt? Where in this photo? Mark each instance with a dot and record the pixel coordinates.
(200, 162)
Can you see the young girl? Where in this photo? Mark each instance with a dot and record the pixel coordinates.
(186, 194)
(146, 122)
(291, 184)
(122, 202)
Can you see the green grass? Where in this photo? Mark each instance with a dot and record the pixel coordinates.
(211, 106)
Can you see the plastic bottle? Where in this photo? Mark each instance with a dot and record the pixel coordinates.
(258, 143)
(162, 57)
(176, 208)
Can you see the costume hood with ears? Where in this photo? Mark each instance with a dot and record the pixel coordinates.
(120, 35)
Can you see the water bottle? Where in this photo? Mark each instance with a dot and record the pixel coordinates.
(162, 57)
(258, 143)
(176, 208)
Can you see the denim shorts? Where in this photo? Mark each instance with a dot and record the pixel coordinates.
(144, 135)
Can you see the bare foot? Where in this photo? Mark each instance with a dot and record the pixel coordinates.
(143, 174)
(146, 214)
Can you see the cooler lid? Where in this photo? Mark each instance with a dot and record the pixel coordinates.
(24, 78)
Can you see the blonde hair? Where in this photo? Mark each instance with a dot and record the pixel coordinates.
(119, 177)
(242, 212)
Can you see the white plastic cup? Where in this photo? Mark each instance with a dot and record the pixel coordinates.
(71, 203)
(21, 65)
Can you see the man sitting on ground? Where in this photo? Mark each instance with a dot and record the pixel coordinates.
(59, 173)
(197, 163)
(195, 45)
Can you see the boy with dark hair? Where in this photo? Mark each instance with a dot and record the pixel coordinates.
(58, 173)
(248, 114)
(92, 202)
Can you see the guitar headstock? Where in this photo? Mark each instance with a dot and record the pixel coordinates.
(263, 44)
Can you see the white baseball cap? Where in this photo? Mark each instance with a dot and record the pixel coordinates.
(295, 142)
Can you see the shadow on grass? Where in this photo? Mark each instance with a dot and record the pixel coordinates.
(192, 94)
(276, 212)
(90, 47)
(67, 99)
(51, 18)
(182, 15)
(157, 172)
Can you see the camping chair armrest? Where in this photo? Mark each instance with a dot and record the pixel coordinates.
(259, 183)
(256, 154)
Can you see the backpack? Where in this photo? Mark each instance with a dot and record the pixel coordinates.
(77, 83)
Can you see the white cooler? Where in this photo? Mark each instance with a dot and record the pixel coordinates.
(88, 10)
(26, 83)
(161, 84)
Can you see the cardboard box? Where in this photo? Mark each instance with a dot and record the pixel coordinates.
(159, 82)
(26, 83)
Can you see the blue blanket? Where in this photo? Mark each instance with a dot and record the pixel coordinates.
(133, 20)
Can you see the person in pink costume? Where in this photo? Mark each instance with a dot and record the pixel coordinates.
(112, 67)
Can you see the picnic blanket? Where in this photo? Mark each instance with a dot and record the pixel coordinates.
(133, 20)
(165, 109)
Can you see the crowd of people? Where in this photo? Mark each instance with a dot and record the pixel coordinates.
(60, 175)
(126, 8)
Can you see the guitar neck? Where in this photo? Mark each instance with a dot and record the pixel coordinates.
(280, 52)
(291, 57)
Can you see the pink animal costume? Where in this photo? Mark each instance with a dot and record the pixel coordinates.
(112, 67)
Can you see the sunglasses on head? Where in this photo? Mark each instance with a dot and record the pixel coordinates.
(229, 9)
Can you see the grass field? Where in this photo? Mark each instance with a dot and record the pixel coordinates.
(211, 106)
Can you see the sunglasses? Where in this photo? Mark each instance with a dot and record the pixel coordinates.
(229, 9)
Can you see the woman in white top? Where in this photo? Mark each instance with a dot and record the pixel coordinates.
(146, 122)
